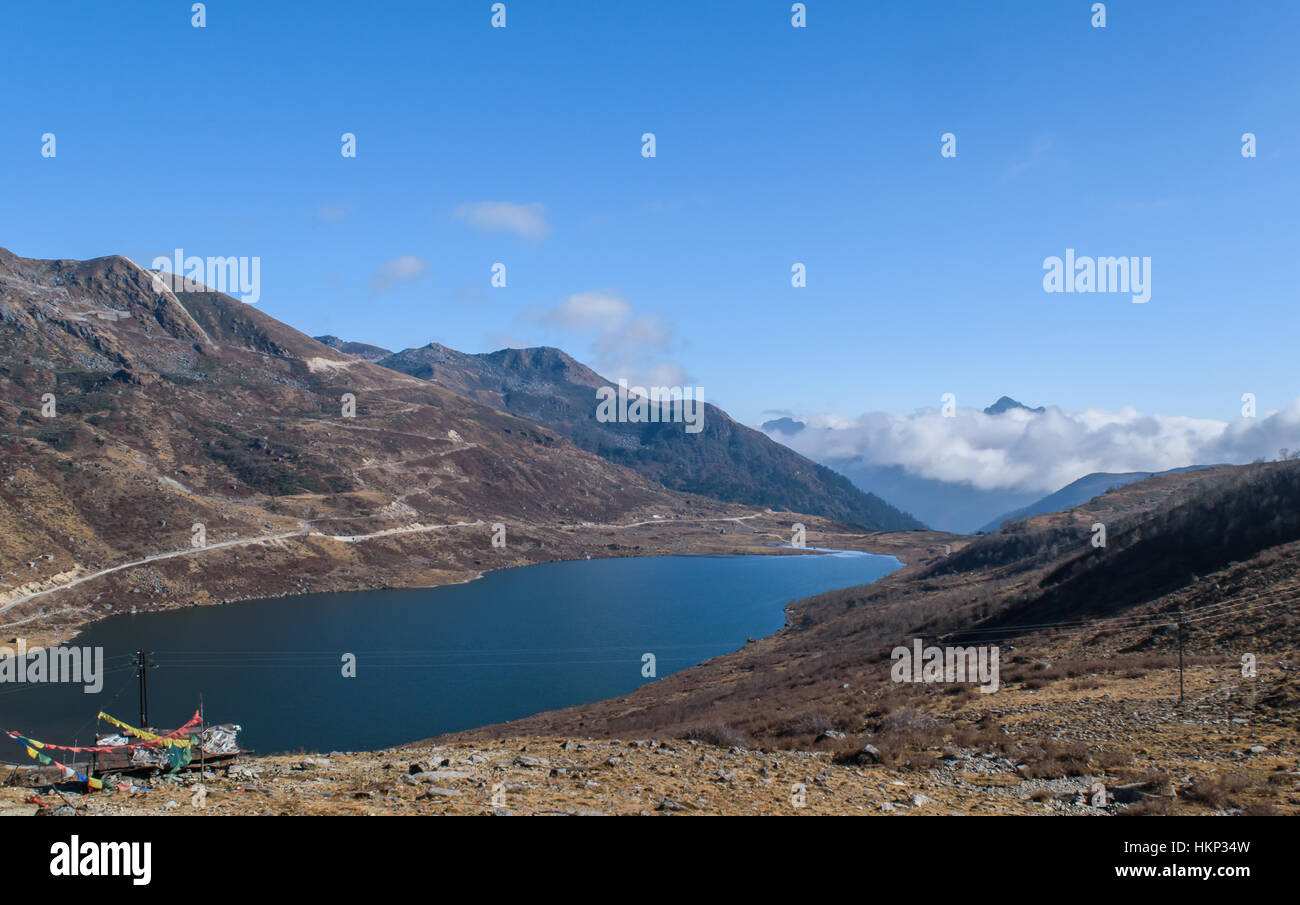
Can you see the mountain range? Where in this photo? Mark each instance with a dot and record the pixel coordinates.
(726, 460)
(166, 447)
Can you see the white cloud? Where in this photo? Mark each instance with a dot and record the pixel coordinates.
(585, 311)
(404, 269)
(622, 343)
(528, 221)
(331, 213)
(1019, 450)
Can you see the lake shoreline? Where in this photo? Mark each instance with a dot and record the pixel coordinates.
(428, 661)
(640, 540)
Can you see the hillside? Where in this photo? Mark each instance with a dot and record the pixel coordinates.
(1076, 493)
(1089, 678)
(726, 461)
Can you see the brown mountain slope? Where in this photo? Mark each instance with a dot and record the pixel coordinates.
(725, 460)
(1223, 545)
(169, 411)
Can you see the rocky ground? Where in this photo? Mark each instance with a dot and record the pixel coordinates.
(1030, 751)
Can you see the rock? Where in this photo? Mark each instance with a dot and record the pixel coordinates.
(918, 799)
(1258, 749)
(436, 776)
(832, 734)
(869, 754)
(526, 761)
(1129, 792)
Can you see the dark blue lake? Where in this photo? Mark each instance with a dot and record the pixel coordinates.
(429, 661)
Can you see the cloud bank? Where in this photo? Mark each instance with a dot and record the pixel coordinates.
(1019, 450)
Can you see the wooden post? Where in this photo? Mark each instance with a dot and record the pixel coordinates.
(202, 773)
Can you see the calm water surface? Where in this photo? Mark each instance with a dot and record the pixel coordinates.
(428, 661)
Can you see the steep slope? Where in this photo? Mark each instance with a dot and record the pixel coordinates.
(1234, 515)
(726, 460)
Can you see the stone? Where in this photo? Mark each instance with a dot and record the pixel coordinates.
(436, 776)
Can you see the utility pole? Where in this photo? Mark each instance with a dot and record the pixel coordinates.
(142, 665)
(1180, 656)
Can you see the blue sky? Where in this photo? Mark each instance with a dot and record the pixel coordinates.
(774, 145)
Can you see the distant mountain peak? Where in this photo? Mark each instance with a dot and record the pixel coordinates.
(1006, 404)
(363, 351)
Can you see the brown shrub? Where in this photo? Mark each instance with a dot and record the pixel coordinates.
(1260, 810)
(808, 724)
(1151, 807)
(1217, 791)
(719, 734)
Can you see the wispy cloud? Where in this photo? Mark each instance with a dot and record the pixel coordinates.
(1041, 146)
(404, 269)
(585, 311)
(528, 221)
(621, 342)
(331, 213)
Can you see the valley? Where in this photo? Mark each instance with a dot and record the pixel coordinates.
(200, 452)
